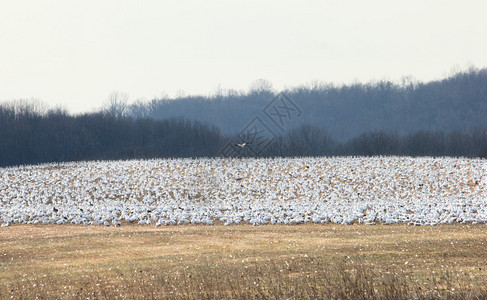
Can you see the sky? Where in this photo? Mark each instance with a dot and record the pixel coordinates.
(75, 54)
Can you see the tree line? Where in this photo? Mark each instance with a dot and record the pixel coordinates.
(308, 140)
(458, 102)
(32, 135)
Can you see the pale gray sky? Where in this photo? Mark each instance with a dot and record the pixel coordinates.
(75, 53)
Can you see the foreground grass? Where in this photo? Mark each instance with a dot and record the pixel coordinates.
(307, 261)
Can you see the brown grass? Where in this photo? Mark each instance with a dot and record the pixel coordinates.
(193, 262)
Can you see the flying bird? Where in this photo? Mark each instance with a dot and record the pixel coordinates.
(242, 144)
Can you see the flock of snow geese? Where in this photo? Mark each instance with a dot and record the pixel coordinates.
(340, 190)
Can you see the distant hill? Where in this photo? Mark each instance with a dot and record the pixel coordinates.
(458, 102)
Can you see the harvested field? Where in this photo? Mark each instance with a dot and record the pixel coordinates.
(304, 261)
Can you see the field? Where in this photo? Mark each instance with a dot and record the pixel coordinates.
(302, 261)
(245, 228)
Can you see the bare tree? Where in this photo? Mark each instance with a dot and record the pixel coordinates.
(116, 105)
(261, 86)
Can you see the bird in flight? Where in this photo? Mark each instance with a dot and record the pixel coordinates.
(242, 144)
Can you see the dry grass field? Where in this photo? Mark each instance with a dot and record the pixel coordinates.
(279, 262)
